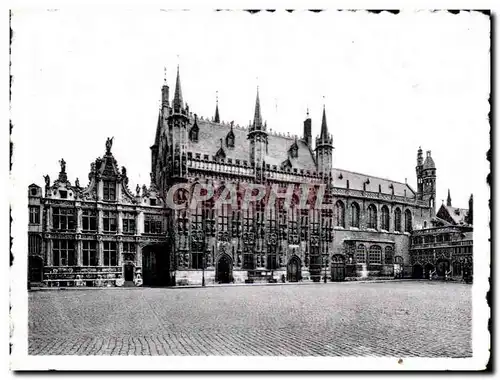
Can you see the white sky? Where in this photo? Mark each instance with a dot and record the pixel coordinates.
(390, 83)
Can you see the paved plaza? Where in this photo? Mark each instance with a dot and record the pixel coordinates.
(406, 318)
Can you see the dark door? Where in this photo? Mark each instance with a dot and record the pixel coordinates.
(418, 271)
(35, 268)
(427, 270)
(442, 267)
(129, 272)
(338, 268)
(224, 270)
(293, 270)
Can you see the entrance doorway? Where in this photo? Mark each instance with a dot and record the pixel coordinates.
(418, 271)
(128, 271)
(156, 265)
(338, 268)
(224, 273)
(293, 270)
(35, 268)
(442, 266)
(428, 268)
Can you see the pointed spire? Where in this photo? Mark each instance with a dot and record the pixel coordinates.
(177, 103)
(217, 118)
(448, 200)
(257, 119)
(324, 127)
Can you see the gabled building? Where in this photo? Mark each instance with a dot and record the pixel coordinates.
(444, 247)
(105, 234)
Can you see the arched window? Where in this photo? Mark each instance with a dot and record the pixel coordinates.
(389, 255)
(339, 214)
(385, 218)
(354, 215)
(375, 255)
(408, 226)
(230, 139)
(397, 220)
(398, 260)
(361, 254)
(372, 217)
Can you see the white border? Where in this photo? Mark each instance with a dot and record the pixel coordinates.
(20, 361)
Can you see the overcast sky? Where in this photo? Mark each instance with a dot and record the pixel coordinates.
(389, 83)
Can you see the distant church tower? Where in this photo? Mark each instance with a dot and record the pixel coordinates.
(426, 180)
(324, 148)
(257, 136)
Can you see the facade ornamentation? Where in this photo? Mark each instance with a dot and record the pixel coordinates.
(170, 247)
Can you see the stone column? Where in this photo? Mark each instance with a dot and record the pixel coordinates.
(119, 249)
(79, 220)
(48, 218)
(100, 252)
(120, 223)
(139, 222)
(79, 253)
(49, 253)
(138, 255)
(99, 221)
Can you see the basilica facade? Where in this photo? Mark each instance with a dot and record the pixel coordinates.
(104, 234)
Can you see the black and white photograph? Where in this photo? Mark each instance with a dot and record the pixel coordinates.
(249, 189)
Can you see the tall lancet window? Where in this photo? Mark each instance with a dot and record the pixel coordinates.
(372, 217)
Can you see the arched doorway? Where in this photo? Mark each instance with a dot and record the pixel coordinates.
(442, 266)
(293, 270)
(418, 271)
(428, 268)
(35, 268)
(156, 265)
(224, 274)
(338, 268)
(128, 272)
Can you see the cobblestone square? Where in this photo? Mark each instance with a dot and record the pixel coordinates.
(413, 318)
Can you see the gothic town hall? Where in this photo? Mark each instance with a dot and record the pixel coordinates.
(105, 234)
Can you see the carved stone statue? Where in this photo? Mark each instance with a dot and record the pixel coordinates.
(63, 165)
(47, 180)
(77, 182)
(137, 190)
(144, 190)
(124, 171)
(109, 144)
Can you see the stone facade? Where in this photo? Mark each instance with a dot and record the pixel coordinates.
(443, 249)
(365, 232)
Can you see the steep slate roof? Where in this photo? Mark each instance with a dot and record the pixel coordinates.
(457, 215)
(356, 181)
(210, 134)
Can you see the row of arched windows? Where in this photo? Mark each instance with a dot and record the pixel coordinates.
(372, 221)
(374, 255)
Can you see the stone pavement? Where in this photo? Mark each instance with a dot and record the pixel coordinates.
(425, 319)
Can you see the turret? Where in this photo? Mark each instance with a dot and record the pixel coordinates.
(324, 148)
(216, 117)
(257, 136)
(173, 124)
(307, 130)
(448, 199)
(428, 177)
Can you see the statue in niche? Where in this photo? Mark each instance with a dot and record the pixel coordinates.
(109, 144)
